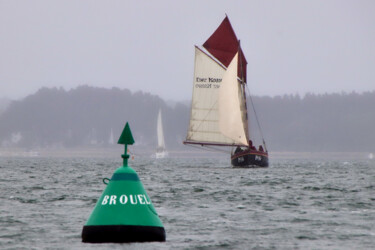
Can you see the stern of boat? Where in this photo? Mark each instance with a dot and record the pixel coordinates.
(249, 159)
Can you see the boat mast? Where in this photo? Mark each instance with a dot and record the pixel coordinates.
(243, 83)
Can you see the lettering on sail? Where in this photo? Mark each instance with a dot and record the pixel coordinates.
(207, 82)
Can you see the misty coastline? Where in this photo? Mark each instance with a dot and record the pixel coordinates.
(84, 118)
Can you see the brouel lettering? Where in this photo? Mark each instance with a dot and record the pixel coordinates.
(105, 200)
(132, 199)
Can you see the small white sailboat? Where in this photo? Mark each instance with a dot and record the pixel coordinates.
(160, 150)
(111, 139)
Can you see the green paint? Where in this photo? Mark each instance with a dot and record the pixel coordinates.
(124, 202)
(126, 139)
(126, 136)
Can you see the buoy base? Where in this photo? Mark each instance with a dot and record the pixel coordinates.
(122, 234)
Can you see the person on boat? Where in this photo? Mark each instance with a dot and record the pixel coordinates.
(238, 149)
(251, 145)
(261, 148)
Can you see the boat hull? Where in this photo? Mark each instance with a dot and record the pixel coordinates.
(250, 159)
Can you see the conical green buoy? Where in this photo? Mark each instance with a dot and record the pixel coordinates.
(124, 212)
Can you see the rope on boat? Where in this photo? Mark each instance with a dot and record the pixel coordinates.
(256, 118)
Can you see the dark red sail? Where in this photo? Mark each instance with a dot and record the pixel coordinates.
(223, 45)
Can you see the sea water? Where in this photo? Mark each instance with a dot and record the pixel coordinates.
(203, 203)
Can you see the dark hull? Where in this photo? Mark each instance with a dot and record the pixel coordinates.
(250, 159)
(122, 234)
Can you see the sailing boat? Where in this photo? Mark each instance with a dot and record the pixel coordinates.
(111, 139)
(218, 114)
(160, 150)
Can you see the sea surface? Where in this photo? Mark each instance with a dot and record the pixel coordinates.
(203, 203)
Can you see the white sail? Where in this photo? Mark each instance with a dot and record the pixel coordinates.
(160, 150)
(230, 102)
(111, 138)
(161, 143)
(204, 124)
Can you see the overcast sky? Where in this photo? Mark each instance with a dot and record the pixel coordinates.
(292, 46)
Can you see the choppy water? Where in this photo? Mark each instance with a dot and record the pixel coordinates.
(44, 203)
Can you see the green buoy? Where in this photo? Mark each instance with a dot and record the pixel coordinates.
(124, 212)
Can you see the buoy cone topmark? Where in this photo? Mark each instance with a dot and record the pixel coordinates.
(124, 212)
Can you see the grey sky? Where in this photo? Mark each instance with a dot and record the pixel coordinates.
(292, 46)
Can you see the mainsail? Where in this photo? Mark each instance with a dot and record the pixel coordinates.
(218, 110)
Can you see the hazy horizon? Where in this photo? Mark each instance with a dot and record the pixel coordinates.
(180, 100)
(292, 47)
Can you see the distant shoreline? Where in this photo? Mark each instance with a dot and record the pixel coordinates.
(114, 152)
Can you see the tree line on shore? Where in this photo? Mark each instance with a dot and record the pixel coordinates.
(90, 116)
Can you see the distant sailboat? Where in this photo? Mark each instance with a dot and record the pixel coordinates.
(160, 150)
(218, 114)
(111, 140)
